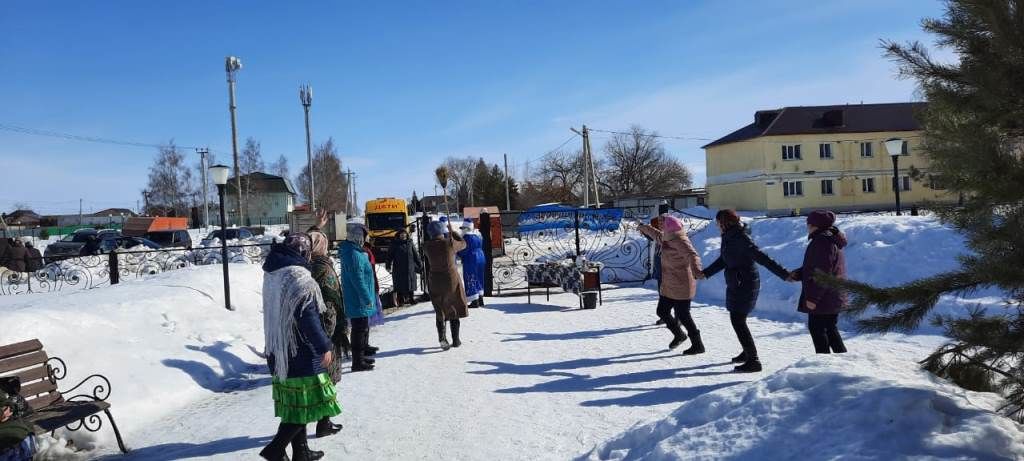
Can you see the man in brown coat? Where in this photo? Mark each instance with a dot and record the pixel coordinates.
(446, 291)
(680, 269)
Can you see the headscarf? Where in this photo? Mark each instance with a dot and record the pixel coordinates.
(319, 244)
(300, 243)
(671, 224)
(355, 233)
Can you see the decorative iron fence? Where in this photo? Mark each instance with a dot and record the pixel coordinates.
(606, 235)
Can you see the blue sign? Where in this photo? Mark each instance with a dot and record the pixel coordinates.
(549, 217)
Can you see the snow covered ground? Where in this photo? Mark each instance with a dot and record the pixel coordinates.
(542, 381)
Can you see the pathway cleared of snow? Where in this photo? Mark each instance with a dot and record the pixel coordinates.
(540, 381)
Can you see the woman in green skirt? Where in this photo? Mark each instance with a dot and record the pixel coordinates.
(298, 349)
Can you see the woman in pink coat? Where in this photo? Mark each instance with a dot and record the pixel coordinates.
(680, 269)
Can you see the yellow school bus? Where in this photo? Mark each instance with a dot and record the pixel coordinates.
(385, 216)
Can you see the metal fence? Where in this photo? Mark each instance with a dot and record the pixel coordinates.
(606, 235)
(94, 271)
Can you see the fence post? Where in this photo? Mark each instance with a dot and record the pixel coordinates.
(112, 263)
(576, 216)
(485, 231)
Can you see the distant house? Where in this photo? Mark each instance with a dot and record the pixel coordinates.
(802, 158)
(435, 204)
(22, 218)
(115, 212)
(268, 196)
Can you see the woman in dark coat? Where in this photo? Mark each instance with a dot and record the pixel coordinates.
(16, 257)
(33, 259)
(333, 318)
(446, 291)
(404, 266)
(821, 303)
(298, 350)
(738, 255)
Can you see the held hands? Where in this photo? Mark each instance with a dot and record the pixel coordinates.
(810, 305)
(328, 358)
(5, 414)
(699, 275)
(792, 277)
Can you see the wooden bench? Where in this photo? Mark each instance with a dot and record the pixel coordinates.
(53, 409)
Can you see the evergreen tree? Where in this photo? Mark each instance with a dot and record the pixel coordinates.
(974, 140)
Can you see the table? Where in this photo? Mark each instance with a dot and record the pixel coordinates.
(566, 275)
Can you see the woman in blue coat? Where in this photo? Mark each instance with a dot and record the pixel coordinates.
(360, 293)
(473, 264)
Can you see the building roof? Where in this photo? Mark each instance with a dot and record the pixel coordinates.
(263, 182)
(848, 118)
(21, 216)
(114, 212)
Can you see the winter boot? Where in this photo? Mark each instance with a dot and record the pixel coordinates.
(359, 362)
(370, 351)
(659, 322)
(301, 451)
(325, 427)
(752, 365)
(740, 358)
(455, 333)
(481, 301)
(677, 341)
(442, 335)
(696, 345)
(275, 450)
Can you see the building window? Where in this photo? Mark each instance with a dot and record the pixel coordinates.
(792, 188)
(905, 150)
(825, 151)
(867, 185)
(791, 152)
(865, 150)
(936, 182)
(826, 187)
(905, 183)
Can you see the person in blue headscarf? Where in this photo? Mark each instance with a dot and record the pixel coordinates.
(473, 264)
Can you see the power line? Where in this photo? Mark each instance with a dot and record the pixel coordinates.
(75, 137)
(655, 135)
(574, 135)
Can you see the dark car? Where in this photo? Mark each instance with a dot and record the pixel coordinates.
(171, 238)
(72, 244)
(136, 243)
(233, 234)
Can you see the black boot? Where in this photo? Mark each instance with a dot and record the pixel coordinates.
(370, 350)
(752, 365)
(481, 301)
(442, 335)
(696, 345)
(740, 358)
(455, 333)
(274, 451)
(301, 451)
(325, 427)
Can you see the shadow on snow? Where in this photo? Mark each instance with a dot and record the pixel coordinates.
(235, 373)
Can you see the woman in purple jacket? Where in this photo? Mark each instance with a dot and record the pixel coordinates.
(822, 303)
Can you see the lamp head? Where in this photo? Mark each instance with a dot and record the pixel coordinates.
(219, 174)
(232, 64)
(894, 146)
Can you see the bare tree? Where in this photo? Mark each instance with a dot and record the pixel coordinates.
(330, 182)
(460, 173)
(251, 161)
(279, 167)
(637, 164)
(558, 179)
(170, 182)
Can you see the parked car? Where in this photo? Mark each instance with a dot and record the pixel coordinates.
(71, 245)
(133, 243)
(240, 233)
(170, 238)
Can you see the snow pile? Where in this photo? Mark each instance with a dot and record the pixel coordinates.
(163, 341)
(857, 406)
(883, 251)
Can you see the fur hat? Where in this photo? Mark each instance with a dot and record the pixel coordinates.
(436, 229)
(356, 232)
(822, 219)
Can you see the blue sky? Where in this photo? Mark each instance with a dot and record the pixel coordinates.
(401, 85)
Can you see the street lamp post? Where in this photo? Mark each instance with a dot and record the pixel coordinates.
(895, 148)
(219, 174)
(306, 98)
(232, 65)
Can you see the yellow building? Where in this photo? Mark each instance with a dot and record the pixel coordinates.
(834, 157)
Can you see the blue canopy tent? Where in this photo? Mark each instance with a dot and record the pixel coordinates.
(557, 216)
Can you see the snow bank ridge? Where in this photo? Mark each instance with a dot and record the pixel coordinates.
(853, 406)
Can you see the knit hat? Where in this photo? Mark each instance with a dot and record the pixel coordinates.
(822, 219)
(672, 224)
(467, 225)
(436, 229)
(356, 232)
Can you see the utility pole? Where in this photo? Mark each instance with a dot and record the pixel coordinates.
(203, 151)
(79, 212)
(472, 200)
(232, 65)
(306, 98)
(593, 169)
(508, 199)
(586, 164)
